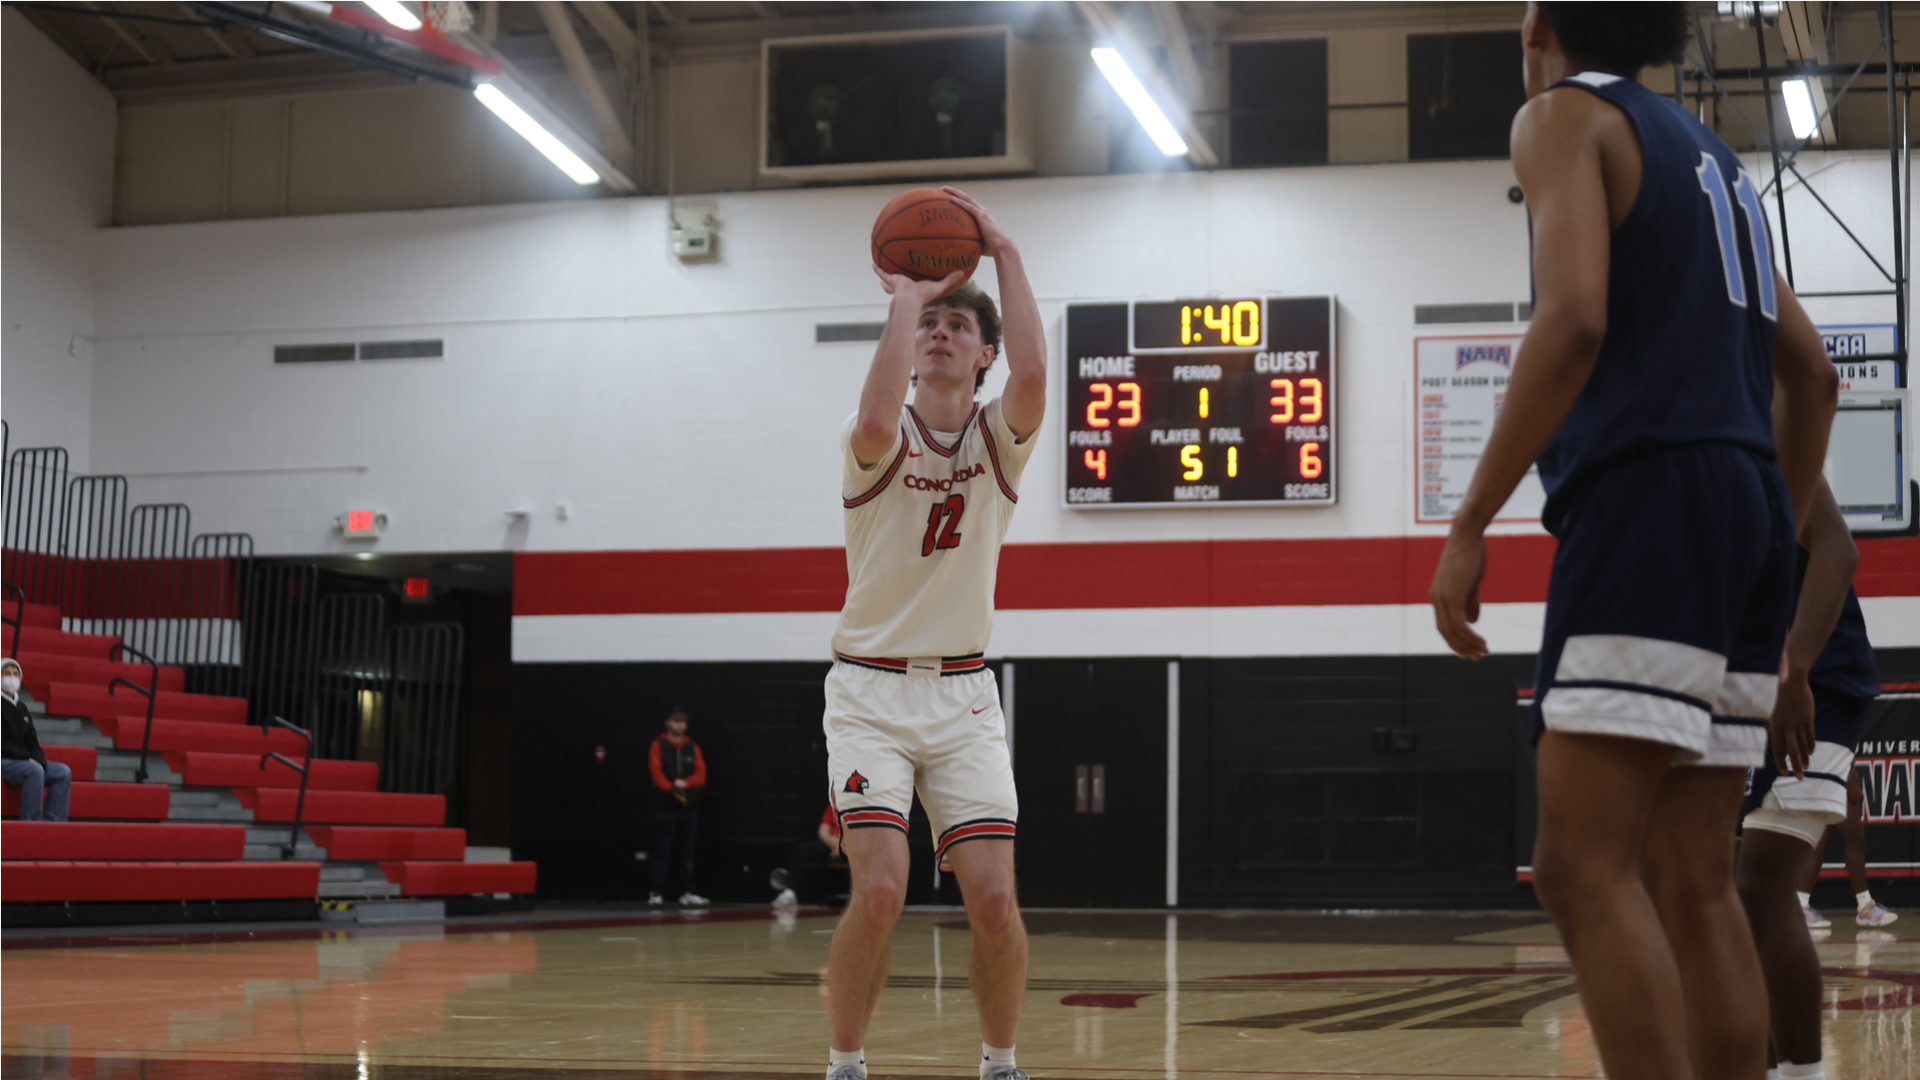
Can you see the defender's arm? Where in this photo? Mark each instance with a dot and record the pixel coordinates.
(1024, 340)
(1557, 158)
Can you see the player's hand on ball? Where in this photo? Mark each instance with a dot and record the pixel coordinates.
(1790, 729)
(993, 239)
(920, 293)
(1456, 593)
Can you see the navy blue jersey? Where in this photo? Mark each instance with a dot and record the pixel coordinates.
(1845, 666)
(1691, 305)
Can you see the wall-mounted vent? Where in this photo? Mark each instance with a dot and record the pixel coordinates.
(313, 354)
(402, 350)
(1427, 314)
(826, 332)
(348, 352)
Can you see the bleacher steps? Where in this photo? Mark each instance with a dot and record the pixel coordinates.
(357, 890)
(122, 765)
(272, 853)
(58, 731)
(384, 911)
(274, 834)
(207, 804)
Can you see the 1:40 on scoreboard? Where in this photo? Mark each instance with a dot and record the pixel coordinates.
(1208, 402)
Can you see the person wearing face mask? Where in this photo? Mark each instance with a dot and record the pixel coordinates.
(25, 765)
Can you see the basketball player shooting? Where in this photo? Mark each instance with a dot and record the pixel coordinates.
(929, 490)
(1662, 350)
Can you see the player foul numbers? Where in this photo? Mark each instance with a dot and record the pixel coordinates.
(929, 490)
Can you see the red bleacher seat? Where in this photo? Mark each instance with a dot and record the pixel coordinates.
(97, 801)
(34, 881)
(44, 673)
(71, 699)
(127, 731)
(201, 769)
(99, 840)
(42, 615)
(41, 641)
(372, 844)
(460, 878)
(345, 807)
(81, 759)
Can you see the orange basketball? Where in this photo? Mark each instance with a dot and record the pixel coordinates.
(924, 234)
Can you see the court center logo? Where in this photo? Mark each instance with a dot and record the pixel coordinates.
(856, 784)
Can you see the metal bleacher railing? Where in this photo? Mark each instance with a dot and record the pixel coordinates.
(292, 642)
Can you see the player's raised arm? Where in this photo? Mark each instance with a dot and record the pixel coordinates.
(1024, 341)
(1557, 157)
(887, 380)
(1806, 390)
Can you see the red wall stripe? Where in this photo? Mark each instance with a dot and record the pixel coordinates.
(1177, 573)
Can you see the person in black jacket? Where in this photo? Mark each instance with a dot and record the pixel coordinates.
(26, 766)
(679, 773)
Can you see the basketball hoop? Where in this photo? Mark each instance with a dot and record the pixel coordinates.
(447, 16)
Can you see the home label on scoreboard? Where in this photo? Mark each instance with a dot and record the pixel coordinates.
(1212, 402)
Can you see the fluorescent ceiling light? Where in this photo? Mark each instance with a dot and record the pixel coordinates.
(395, 13)
(542, 139)
(1159, 128)
(1800, 112)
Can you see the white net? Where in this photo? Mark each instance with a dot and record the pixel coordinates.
(448, 16)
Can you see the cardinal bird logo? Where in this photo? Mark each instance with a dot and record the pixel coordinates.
(857, 784)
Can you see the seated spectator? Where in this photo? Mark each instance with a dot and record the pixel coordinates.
(44, 786)
(808, 862)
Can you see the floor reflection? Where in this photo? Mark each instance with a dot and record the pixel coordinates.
(1137, 996)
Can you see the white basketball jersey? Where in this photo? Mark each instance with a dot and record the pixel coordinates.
(924, 526)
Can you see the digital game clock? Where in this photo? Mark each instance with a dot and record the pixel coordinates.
(1201, 403)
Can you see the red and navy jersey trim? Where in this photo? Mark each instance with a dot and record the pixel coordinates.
(949, 665)
(872, 817)
(977, 829)
(881, 485)
(943, 451)
(993, 455)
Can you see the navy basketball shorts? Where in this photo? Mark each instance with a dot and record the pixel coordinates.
(1804, 806)
(1669, 603)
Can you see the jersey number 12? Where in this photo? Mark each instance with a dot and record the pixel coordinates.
(1715, 185)
(949, 537)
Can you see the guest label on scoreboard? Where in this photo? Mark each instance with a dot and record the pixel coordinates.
(1206, 402)
(1459, 387)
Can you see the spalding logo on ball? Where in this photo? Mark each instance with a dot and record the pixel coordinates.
(925, 235)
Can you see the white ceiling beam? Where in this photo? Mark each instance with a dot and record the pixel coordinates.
(1173, 33)
(1803, 30)
(608, 24)
(1110, 29)
(150, 50)
(526, 93)
(585, 79)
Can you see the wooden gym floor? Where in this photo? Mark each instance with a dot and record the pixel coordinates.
(739, 994)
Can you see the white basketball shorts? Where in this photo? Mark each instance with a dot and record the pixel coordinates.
(894, 730)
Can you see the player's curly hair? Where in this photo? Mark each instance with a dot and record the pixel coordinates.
(975, 299)
(1620, 38)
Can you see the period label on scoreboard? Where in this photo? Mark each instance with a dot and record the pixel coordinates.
(1459, 386)
(1212, 402)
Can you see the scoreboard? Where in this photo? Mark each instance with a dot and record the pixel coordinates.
(1201, 403)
